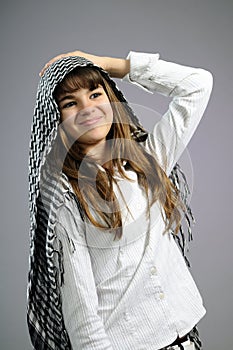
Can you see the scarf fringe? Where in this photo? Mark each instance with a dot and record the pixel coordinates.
(184, 235)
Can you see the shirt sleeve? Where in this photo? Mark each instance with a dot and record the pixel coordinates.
(190, 90)
(79, 297)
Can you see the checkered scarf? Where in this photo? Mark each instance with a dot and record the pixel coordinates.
(44, 308)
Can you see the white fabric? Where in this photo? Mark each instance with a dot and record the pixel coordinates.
(188, 345)
(136, 293)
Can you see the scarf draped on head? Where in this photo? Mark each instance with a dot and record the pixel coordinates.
(44, 310)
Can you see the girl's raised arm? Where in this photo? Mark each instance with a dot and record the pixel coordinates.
(190, 89)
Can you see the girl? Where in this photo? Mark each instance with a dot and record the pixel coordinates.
(105, 269)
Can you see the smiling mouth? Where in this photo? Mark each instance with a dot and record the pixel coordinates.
(90, 121)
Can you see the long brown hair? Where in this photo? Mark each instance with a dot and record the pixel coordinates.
(88, 182)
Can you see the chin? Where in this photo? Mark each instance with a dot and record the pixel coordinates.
(94, 135)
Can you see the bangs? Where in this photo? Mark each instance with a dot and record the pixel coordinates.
(79, 78)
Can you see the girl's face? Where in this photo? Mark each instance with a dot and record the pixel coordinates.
(86, 115)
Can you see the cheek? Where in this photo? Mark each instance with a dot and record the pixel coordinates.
(65, 116)
(108, 113)
(68, 125)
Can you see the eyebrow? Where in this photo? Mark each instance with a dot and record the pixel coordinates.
(70, 97)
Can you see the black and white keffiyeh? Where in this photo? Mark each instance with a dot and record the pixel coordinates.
(44, 308)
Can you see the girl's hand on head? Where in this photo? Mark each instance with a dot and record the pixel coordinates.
(116, 67)
(98, 60)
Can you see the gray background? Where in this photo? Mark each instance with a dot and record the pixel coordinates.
(196, 33)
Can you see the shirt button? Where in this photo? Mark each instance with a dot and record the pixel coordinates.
(127, 316)
(161, 296)
(153, 270)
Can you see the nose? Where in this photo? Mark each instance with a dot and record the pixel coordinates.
(86, 111)
(86, 107)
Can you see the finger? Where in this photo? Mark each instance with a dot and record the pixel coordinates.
(49, 63)
(44, 69)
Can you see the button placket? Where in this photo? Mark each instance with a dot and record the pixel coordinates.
(120, 260)
(154, 286)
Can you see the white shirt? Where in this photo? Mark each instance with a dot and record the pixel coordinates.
(135, 293)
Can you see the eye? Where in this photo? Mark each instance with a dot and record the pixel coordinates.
(69, 104)
(95, 95)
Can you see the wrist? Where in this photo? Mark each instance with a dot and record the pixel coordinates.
(117, 67)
